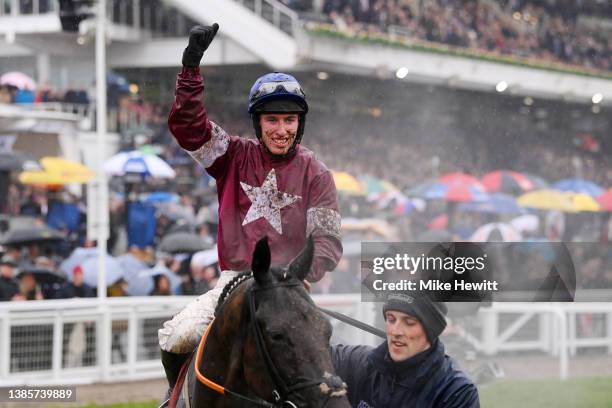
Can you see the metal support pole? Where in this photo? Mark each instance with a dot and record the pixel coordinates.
(102, 232)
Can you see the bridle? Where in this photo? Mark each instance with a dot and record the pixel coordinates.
(281, 392)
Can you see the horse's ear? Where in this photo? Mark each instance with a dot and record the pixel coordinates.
(300, 266)
(260, 265)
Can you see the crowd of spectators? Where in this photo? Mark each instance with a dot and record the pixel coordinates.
(366, 131)
(540, 30)
(11, 94)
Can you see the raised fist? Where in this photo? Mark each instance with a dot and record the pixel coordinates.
(200, 38)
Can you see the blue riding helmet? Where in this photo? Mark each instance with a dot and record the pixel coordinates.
(277, 86)
(278, 93)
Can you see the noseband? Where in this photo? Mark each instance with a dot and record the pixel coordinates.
(281, 392)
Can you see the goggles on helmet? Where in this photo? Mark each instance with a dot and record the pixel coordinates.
(272, 87)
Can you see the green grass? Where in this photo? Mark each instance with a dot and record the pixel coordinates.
(593, 392)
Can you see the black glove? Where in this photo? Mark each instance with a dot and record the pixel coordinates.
(200, 38)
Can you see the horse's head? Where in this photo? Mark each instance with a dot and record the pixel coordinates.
(292, 333)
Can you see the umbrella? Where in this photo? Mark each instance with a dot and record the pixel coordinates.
(31, 235)
(459, 178)
(143, 283)
(605, 200)
(456, 187)
(161, 197)
(455, 192)
(504, 232)
(507, 181)
(577, 185)
(42, 275)
(584, 202)
(76, 258)
(114, 272)
(407, 205)
(175, 212)
(57, 171)
(182, 242)
(17, 161)
(136, 162)
(205, 258)
(496, 203)
(558, 200)
(18, 80)
(347, 183)
(547, 200)
(131, 265)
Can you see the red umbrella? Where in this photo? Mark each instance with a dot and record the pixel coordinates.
(459, 178)
(507, 181)
(605, 200)
(458, 187)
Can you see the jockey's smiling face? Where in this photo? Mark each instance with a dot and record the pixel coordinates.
(405, 335)
(278, 131)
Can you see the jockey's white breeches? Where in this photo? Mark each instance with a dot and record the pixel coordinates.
(182, 333)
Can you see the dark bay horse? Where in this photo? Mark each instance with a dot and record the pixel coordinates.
(268, 345)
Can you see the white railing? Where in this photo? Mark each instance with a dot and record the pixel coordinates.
(65, 341)
(274, 12)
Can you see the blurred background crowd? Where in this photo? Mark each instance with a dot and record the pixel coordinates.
(412, 162)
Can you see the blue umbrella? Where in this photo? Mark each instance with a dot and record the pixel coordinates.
(496, 203)
(577, 185)
(161, 197)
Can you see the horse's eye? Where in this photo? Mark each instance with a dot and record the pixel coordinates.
(277, 336)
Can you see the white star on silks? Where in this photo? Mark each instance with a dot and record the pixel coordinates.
(267, 201)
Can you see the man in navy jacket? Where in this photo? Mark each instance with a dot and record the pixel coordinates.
(410, 369)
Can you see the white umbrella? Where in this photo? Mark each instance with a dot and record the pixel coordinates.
(77, 257)
(90, 271)
(18, 80)
(488, 231)
(139, 163)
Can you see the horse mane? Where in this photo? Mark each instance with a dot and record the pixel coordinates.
(229, 288)
(279, 273)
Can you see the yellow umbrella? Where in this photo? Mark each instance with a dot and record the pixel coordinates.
(584, 202)
(57, 171)
(559, 200)
(347, 183)
(547, 200)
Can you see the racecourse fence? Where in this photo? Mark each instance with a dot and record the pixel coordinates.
(82, 341)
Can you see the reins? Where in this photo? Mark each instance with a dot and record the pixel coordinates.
(281, 390)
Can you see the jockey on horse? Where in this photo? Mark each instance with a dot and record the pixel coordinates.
(270, 187)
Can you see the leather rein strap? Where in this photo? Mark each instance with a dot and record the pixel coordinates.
(213, 385)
